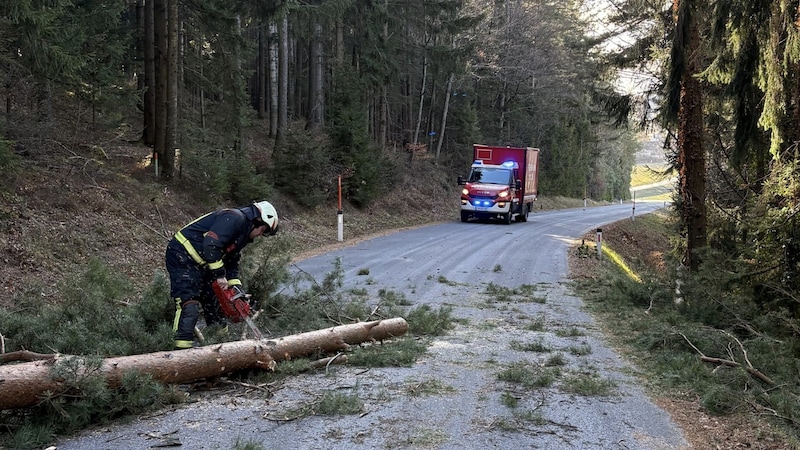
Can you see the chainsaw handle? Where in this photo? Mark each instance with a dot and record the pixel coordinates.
(238, 292)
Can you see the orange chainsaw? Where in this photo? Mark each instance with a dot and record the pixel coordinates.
(234, 305)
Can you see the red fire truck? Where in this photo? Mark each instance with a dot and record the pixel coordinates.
(502, 183)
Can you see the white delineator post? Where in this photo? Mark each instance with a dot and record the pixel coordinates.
(599, 241)
(339, 214)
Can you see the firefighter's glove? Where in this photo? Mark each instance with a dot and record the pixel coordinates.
(222, 282)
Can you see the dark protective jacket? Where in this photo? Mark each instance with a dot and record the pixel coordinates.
(216, 239)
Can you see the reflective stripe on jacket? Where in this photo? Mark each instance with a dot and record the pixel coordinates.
(216, 239)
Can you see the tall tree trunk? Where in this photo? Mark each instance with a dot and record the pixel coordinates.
(202, 91)
(149, 125)
(339, 42)
(316, 107)
(445, 109)
(421, 97)
(383, 122)
(24, 384)
(431, 113)
(501, 106)
(283, 79)
(261, 76)
(691, 154)
(138, 66)
(295, 86)
(236, 79)
(793, 135)
(274, 59)
(172, 91)
(162, 79)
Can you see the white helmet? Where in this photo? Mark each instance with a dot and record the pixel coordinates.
(268, 215)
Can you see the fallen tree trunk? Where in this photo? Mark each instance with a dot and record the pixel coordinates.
(23, 385)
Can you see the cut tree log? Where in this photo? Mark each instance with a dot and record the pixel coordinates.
(24, 385)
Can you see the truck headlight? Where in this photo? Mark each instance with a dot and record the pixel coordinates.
(503, 194)
(465, 192)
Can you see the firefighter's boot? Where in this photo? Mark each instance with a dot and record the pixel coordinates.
(186, 315)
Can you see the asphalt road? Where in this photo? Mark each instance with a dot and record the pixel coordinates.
(453, 397)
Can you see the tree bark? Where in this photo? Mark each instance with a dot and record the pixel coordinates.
(23, 385)
(283, 79)
(171, 131)
(273, 79)
(149, 128)
(236, 80)
(691, 156)
(261, 77)
(339, 42)
(161, 98)
(316, 69)
(445, 109)
(383, 110)
(421, 97)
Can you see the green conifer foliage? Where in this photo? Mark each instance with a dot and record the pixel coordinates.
(80, 46)
(368, 171)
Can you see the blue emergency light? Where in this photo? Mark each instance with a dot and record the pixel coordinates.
(511, 164)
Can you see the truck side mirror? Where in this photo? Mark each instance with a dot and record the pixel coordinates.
(461, 180)
(518, 184)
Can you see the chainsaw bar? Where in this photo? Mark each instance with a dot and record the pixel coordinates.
(249, 322)
(253, 328)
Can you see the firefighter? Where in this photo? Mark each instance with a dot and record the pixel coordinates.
(206, 250)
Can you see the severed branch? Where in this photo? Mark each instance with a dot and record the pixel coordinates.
(340, 358)
(314, 280)
(325, 293)
(264, 387)
(649, 308)
(160, 234)
(771, 412)
(730, 362)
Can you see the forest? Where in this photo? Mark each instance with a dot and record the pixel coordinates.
(326, 85)
(245, 99)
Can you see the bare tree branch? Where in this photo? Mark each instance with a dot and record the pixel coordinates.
(730, 362)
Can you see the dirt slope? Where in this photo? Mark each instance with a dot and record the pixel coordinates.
(62, 207)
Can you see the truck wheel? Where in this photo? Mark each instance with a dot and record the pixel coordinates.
(464, 216)
(523, 215)
(507, 218)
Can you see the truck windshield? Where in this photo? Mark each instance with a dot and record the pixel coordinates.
(490, 176)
